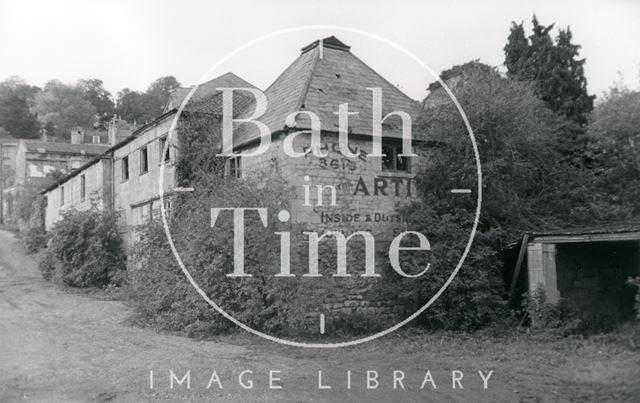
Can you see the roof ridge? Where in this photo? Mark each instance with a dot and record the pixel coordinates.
(307, 85)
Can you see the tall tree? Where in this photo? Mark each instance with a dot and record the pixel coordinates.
(93, 91)
(144, 107)
(61, 107)
(516, 50)
(555, 67)
(16, 99)
(614, 146)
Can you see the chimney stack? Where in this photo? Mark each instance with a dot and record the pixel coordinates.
(77, 135)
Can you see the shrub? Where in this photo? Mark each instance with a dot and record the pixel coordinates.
(35, 239)
(85, 250)
(474, 298)
(162, 296)
(563, 318)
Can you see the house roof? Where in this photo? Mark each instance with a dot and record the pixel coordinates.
(37, 146)
(9, 140)
(207, 92)
(609, 229)
(325, 75)
(586, 233)
(108, 150)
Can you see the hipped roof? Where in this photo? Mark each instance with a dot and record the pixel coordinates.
(325, 75)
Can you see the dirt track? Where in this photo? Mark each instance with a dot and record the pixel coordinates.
(61, 347)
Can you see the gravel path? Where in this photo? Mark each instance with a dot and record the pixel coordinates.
(57, 346)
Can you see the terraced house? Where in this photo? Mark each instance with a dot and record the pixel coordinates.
(125, 176)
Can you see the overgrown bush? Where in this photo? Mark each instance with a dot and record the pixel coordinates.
(85, 250)
(474, 298)
(159, 290)
(563, 318)
(35, 239)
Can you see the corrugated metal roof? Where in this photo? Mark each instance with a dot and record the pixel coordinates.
(603, 229)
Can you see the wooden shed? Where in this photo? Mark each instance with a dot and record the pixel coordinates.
(588, 267)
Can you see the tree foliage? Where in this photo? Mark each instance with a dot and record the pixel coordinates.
(554, 66)
(16, 100)
(93, 91)
(85, 250)
(614, 149)
(527, 186)
(145, 106)
(60, 107)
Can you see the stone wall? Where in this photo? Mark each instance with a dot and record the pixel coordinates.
(137, 198)
(368, 199)
(97, 179)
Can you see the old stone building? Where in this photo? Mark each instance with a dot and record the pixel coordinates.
(35, 159)
(125, 177)
(368, 189)
(361, 192)
(8, 150)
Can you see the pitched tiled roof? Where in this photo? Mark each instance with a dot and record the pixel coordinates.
(36, 146)
(206, 92)
(319, 82)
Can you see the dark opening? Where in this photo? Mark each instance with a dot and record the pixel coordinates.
(592, 279)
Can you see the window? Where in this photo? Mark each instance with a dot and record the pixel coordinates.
(144, 160)
(142, 214)
(392, 161)
(233, 167)
(62, 195)
(125, 169)
(83, 188)
(96, 139)
(147, 212)
(168, 208)
(167, 154)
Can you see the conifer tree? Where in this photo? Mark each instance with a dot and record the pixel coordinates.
(555, 67)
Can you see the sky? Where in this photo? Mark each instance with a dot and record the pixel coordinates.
(130, 43)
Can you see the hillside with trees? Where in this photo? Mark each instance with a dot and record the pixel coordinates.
(27, 111)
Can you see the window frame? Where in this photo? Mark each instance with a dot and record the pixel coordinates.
(167, 157)
(396, 149)
(83, 186)
(144, 162)
(236, 172)
(124, 169)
